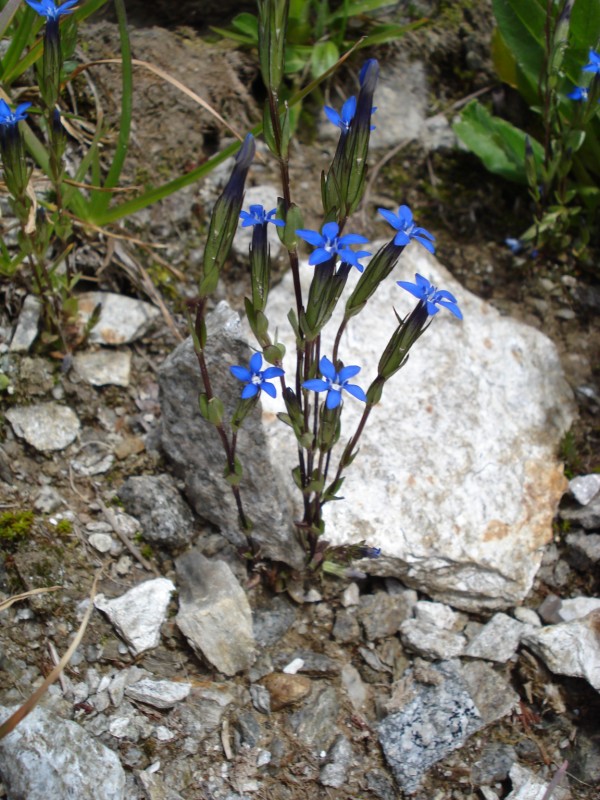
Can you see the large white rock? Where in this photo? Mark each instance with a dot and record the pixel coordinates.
(456, 479)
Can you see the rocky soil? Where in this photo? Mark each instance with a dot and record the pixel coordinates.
(198, 677)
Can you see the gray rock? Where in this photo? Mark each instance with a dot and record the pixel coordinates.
(494, 764)
(354, 686)
(587, 516)
(49, 757)
(437, 614)
(583, 550)
(209, 595)
(45, 426)
(401, 85)
(316, 722)
(430, 641)
(160, 694)
(273, 621)
(202, 712)
(435, 721)
(381, 786)
(346, 628)
(163, 514)
(47, 500)
(576, 608)
(381, 614)
(504, 391)
(490, 691)
(584, 488)
(183, 429)
(139, 613)
(570, 648)
(339, 758)
(103, 367)
(27, 326)
(497, 640)
(122, 319)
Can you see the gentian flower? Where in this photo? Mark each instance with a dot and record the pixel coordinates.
(255, 378)
(329, 244)
(10, 118)
(333, 382)
(594, 63)
(344, 119)
(579, 93)
(49, 9)
(431, 296)
(258, 216)
(403, 222)
(514, 245)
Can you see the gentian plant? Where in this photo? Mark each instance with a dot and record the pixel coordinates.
(314, 386)
(550, 53)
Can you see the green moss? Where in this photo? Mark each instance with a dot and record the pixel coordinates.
(15, 525)
(146, 551)
(64, 527)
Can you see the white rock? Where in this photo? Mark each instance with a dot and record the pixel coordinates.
(577, 607)
(430, 640)
(401, 85)
(528, 786)
(103, 367)
(27, 326)
(122, 319)
(436, 614)
(528, 616)
(160, 694)
(139, 613)
(45, 426)
(350, 595)
(570, 648)
(584, 488)
(101, 542)
(431, 485)
(498, 640)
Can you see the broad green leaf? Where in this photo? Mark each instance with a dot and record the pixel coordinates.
(521, 24)
(500, 145)
(324, 55)
(246, 24)
(240, 38)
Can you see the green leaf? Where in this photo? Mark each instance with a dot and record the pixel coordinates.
(382, 34)
(521, 24)
(323, 57)
(500, 145)
(247, 24)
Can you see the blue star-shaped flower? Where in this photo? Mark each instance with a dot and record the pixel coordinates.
(594, 63)
(329, 244)
(333, 382)
(579, 93)
(344, 119)
(49, 9)
(403, 222)
(258, 216)
(432, 296)
(255, 378)
(10, 118)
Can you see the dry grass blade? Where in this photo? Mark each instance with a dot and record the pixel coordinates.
(555, 780)
(169, 79)
(17, 597)
(11, 723)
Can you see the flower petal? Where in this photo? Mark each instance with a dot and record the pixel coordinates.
(333, 116)
(315, 385)
(272, 372)
(327, 368)
(249, 390)
(256, 362)
(390, 217)
(415, 290)
(320, 256)
(348, 372)
(241, 373)
(348, 111)
(330, 230)
(352, 238)
(269, 389)
(312, 237)
(356, 391)
(334, 398)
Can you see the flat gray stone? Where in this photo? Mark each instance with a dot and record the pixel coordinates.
(431, 641)
(156, 502)
(103, 367)
(45, 426)
(50, 757)
(138, 614)
(122, 319)
(497, 640)
(160, 694)
(27, 325)
(214, 613)
(195, 450)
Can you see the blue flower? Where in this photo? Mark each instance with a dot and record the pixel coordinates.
(432, 296)
(255, 378)
(329, 244)
(594, 64)
(514, 245)
(579, 93)
(48, 9)
(403, 222)
(342, 121)
(10, 118)
(333, 382)
(258, 216)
